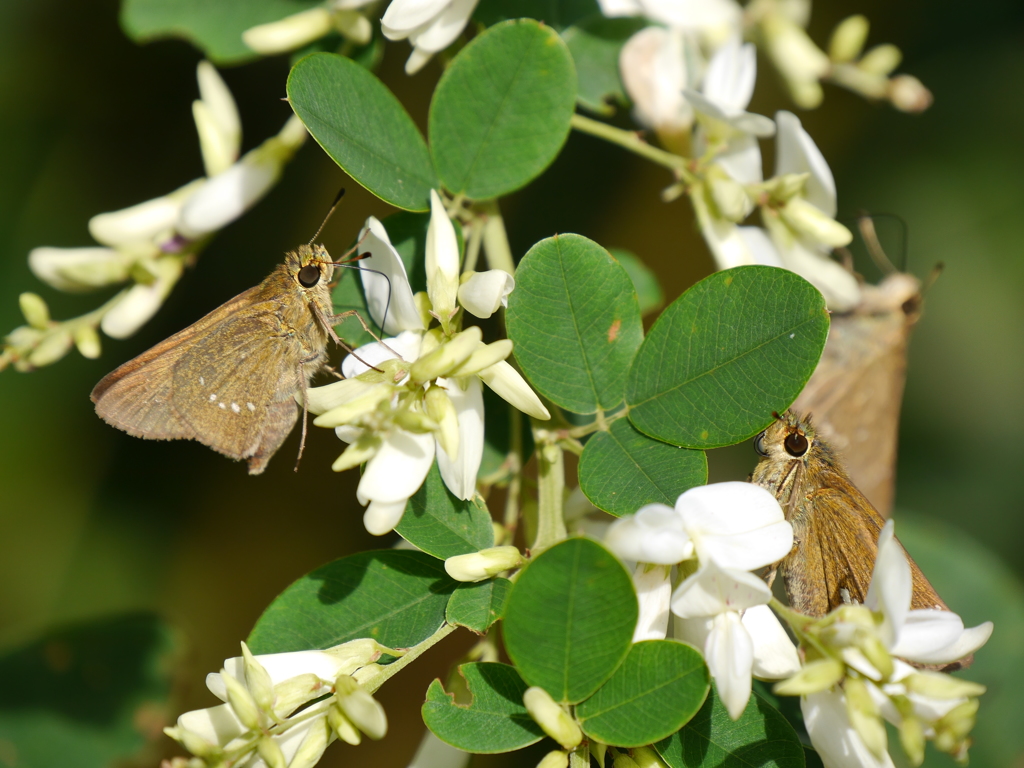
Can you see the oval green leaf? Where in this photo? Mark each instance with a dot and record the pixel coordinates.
(80, 696)
(501, 110)
(495, 719)
(575, 322)
(595, 43)
(442, 525)
(570, 618)
(657, 688)
(622, 469)
(214, 27)
(722, 357)
(478, 606)
(364, 129)
(761, 737)
(397, 597)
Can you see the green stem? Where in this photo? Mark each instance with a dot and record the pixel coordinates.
(496, 246)
(631, 141)
(550, 493)
(392, 669)
(514, 459)
(476, 233)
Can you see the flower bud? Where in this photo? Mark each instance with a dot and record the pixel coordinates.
(645, 757)
(292, 693)
(483, 357)
(358, 452)
(623, 760)
(874, 650)
(477, 566)
(414, 420)
(52, 348)
(511, 387)
(359, 406)
(313, 746)
(598, 752)
(938, 685)
(78, 269)
(289, 33)
(143, 221)
(953, 728)
(912, 739)
(353, 25)
(808, 219)
(87, 341)
(241, 701)
(358, 653)
(552, 719)
(342, 726)
(730, 198)
(881, 60)
(268, 748)
(848, 39)
(863, 714)
(556, 758)
(36, 313)
(193, 742)
(908, 94)
(361, 708)
(140, 302)
(481, 293)
(813, 677)
(441, 409)
(448, 356)
(442, 261)
(257, 679)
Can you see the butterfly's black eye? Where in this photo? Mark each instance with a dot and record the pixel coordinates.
(759, 445)
(796, 444)
(309, 276)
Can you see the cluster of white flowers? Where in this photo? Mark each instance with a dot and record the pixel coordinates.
(283, 709)
(418, 393)
(714, 537)
(149, 243)
(856, 675)
(854, 672)
(430, 26)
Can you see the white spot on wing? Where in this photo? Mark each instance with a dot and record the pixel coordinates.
(251, 407)
(202, 382)
(222, 406)
(235, 408)
(213, 398)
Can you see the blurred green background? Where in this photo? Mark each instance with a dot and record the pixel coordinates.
(95, 523)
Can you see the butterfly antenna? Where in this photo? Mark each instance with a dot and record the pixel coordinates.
(334, 206)
(387, 304)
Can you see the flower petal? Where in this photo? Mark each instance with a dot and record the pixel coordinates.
(280, 667)
(381, 517)
(775, 656)
(405, 345)
(218, 725)
(484, 292)
(398, 469)
(729, 80)
(891, 588)
(796, 152)
(713, 590)
(434, 753)
(729, 652)
(139, 222)
(444, 28)
(654, 73)
(141, 302)
(79, 269)
(442, 259)
(654, 591)
(655, 534)
(459, 472)
(511, 387)
(388, 296)
(837, 742)
(406, 15)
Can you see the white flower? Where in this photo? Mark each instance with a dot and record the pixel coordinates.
(140, 302)
(732, 528)
(79, 269)
(217, 121)
(430, 25)
(836, 740)
(434, 753)
(481, 293)
(430, 403)
(654, 68)
(803, 230)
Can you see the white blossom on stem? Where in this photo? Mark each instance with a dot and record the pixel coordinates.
(430, 25)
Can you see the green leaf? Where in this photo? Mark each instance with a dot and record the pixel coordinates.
(442, 525)
(214, 27)
(622, 469)
(979, 586)
(645, 282)
(570, 618)
(658, 687)
(87, 695)
(397, 597)
(501, 111)
(595, 44)
(761, 737)
(722, 357)
(575, 323)
(364, 129)
(494, 721)
(477, 606)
